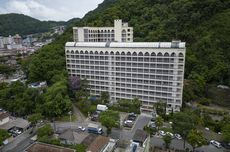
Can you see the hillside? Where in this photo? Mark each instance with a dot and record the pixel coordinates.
(203, 25)
(11, 24)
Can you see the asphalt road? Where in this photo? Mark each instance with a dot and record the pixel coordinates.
(127, 135)
(19, 142)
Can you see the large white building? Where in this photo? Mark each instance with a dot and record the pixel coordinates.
(121, 32)
(150, 71)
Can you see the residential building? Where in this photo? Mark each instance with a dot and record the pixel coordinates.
(121, 32)
(140, 138)
(4, 118)
(70, 137)
(42, 147)
(99, 144)
(150, 71)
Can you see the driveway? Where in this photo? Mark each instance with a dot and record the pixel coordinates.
(127, 135)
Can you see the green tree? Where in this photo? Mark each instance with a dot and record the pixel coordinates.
(160, 108)
(196, 139)
(159, 122)
(3, 136)
(167, 139)
(226, 133)
(109, 119)
(104, 97)
(182, 124)
(34, 118)
(56, 100)
(45, 131)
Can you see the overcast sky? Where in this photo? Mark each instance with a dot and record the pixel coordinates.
(58, 10)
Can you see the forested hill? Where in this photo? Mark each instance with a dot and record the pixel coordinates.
(202, 24)
(11, 24)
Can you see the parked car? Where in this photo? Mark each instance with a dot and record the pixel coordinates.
(170, 134)
(81, 128)
(162, 133)
(128, 123)
(178, 136)
(226, 145)
(152, 125)
(215, 143)
(132, 117)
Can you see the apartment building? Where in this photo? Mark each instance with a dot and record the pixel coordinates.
(150, 71)
(121, 32)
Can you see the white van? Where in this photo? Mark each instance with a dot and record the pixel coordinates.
(215, 143)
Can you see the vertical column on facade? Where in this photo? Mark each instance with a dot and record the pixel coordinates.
(110, 76)
(175, 75)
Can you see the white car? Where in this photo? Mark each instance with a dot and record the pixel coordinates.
(18, 132)
(170, 134)
(215, 143)
(178, 136)
(162, 133)
(81, 128)
(207, 128)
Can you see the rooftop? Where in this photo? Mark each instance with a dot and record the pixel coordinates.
(173, 44)
(42, 147)
(140, 136)
(98, 144)
(3, 115)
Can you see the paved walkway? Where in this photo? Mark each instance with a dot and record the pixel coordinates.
(78, 114)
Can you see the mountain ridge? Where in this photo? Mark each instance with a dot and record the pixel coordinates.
(13, 23)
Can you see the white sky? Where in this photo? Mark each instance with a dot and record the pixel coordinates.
(58, 10)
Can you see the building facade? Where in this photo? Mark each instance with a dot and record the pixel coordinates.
(121, 32)
(150, 71)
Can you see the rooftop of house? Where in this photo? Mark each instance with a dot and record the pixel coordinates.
(140, 136)
(73, 136)
(3, 115)
(98, 144)
(42, 147)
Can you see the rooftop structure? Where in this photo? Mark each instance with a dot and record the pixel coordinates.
(121, 32)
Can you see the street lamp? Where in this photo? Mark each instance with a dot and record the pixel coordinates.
(70, 119)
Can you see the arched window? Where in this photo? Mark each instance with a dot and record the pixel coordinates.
(111, 53)
(72, 51)
(166, 54)
(122, 53)
(67, 51)
(147, 54)
(134, 54)
(173, 54)
(91, 52)
(112, 31)
(86, 52)
(101, 53)
(181, 55)
(81, 52)
(106, 53)
(159, 54)
(117, 53)
(153, 54)
(77, 52)
(123, 31)
(96, 52)
(140, 54)
(129, 53)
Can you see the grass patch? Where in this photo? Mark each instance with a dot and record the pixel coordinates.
(66, 118)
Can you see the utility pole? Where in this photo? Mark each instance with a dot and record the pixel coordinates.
(70, 119)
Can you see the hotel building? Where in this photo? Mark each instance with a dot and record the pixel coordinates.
(150, 71)
(121, 32)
